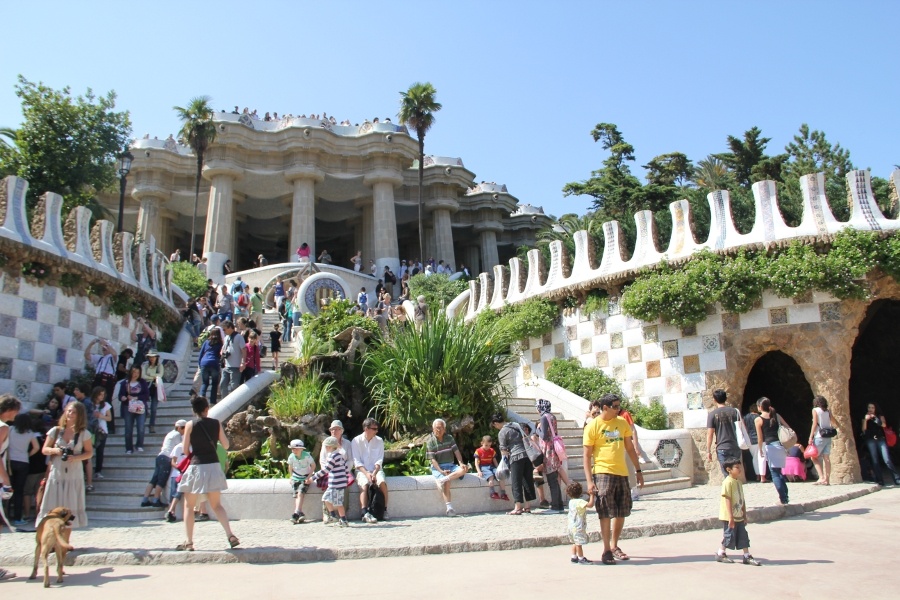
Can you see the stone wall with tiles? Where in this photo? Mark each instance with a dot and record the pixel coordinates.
(43, 334)
(681, 366)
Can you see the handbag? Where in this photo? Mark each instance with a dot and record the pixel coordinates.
(160, 389)
(890, 437)
(786, 435)
(740, 433)
(827, 432)
(136, 407)
(811, 452)
(534, 455)
(184, 463)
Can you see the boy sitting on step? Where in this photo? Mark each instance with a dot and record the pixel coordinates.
(486, 465)
(302, 465)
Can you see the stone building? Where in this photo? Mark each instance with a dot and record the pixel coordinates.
(269, 186)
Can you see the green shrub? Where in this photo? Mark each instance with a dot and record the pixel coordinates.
(188, 278)
(309, 394)
(589, 384)
(653, 416)
(335, 318)
(532, 318)
(437, 289)
(414, 463)
(264, 467)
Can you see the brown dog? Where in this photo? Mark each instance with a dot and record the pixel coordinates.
(53, 536)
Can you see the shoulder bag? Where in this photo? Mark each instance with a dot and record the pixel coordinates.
(740, 432)
(534, 455)
(786, 435)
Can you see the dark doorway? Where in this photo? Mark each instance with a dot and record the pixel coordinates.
(874, 376)
(778, 377)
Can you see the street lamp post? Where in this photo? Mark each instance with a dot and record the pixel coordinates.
(124, 167)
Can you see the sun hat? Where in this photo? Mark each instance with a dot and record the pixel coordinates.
(296, 444)
(330, 442)
(180, 423)
(334, 424)
(152, 353)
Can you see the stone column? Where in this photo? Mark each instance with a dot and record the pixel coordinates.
(489, 255)
(149, 221)
(429, 245)
(303, 209)
(386, 251)
(219, 237)
(367, 229)
(443, 236)
(473, 260)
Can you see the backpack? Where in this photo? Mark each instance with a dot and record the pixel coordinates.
(376, 502)
(363, 299)
(243, 300)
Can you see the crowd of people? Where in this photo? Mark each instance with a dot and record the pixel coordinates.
(273, 116)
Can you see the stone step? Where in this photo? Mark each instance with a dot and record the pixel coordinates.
(665, 485)
(125, 514)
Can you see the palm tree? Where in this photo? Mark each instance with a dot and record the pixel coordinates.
(417, 108)
(198, 132)
(712, 173)
(7, 135)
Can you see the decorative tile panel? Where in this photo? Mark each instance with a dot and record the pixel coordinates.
(692, 363)
(61, 355)
(711, 343)
(571, 332)
(523, 344)
(778, 316)
(603, 359)
(651, 334)
(599, 326)
(689, 331)
(5, 368)
(559, 350)
(8, 326)
(23, 391)
(673, 384)
(45, 333)
(634, 354)
(11, 286)
(830, 311)
(79, 304)
(29, 310)
(653, 368)
(614, 308)
(586, 345)
(92, 325)
(78, 340)
(694, 400)
(637, 388)
(670, 348)
(64, 317)
(615, 340)
(668, 454)
(26, 350)
(547, 339)
(804, 298)
(526, 372)
(42, 374)
(619, 373)
(48, 294)
(731, 322)
(536, 355)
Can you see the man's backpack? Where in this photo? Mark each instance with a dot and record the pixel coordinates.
(376, 501)
(363, 299)
(243, 300)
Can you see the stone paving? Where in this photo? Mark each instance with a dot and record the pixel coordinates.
(277, 540)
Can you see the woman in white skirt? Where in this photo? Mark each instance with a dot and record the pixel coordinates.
(204, 479)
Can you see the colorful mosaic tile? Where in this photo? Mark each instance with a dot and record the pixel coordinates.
(11, 286)
(653, 369)
(559, 350)
(524, 344)
(711, 343)
(614, 308)
(651, 334)
(61, 356)
(634, 354)
(547, 339)
(571, 332)
(637, 388)
(731, 322)
(29, 310)
(7, 326)
(526, 372)
(23, 390)
(5, 368)
(670, 348)
(615, 340)
(45, 333)
(694, 400)
(42, 374)
(692, 363)
(830, 311)
(673, 384)
(603, 359)
(65, 316)
(78, 340)
(778, 316)
(26, 350)
(536, 355)
(48, 295)
(619, 373)
(689, 331)
(804, 298)
(586, 346)
(599, 326)
(92, 325)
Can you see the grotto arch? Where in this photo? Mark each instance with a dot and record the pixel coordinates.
(780, 378)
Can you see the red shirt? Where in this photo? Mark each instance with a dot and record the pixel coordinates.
(485, 456)
(627, 416)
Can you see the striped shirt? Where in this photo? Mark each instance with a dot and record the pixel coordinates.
(443, 451)
(337, 471)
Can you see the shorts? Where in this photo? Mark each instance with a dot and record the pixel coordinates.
(363, 482)
(737, 538)
(334, 496)
(823, 445)
(441, 478)
(161, 471)
(613, 496)
(299, 484)
(489, 473)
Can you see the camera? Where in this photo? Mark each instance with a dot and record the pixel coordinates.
(66, 453)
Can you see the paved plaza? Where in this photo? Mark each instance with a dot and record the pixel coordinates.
(844, 550)
(277, 540)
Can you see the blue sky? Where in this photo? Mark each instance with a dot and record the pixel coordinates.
(522, 83)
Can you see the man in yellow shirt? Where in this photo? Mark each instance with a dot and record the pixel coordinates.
(606, 440)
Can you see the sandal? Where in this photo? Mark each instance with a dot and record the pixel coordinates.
(234, 541)
(526, 510)
(514, 512)
(608, 558)
(617, 552)
(185, 546)
(89, 488)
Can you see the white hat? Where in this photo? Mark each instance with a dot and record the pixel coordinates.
(180, 423)
(335, 423)
(296, 444)
(330, 442)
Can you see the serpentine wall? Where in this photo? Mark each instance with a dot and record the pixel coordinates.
(57, 282)
(681, 366)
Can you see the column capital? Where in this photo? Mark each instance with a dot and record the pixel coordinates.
(216, 168)
(302, 172)
(395, 178)
(442, 204)
(165, 213)
(484, 226)
(142, 191)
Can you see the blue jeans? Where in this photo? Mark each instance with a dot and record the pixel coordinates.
(874, 447)
(724, 455)
(131, 420)
(154, 401)
(210, 376)
(231, 378)
(780, 483)
(288, 324)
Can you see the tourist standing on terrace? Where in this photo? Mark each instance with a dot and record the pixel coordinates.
(821, 433)
(145, 340)
(204, 476)
(134, 393)
(67, 445)
(357, 261)
(440, 449)
(512, 440)
(720, 423)
(324, 258)
(303, 253)
(873, 425)
(607, 439)
(767, 424)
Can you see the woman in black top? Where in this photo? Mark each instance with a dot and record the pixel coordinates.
(769, 445)
(512, 447)
(873, 425)
(204, 475)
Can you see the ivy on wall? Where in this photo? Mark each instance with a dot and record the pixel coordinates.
(680, 295)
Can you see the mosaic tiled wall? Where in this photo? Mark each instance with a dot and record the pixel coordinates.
(43, 334)
(657, 361)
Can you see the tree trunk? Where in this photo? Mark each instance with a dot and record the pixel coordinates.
(421, 137)
(196, 201)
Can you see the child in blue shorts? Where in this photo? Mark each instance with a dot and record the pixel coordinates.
(486, 467)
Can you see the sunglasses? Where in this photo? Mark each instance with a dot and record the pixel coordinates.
(617, 406)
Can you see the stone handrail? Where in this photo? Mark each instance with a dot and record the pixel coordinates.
(505, 285)
(78, 248)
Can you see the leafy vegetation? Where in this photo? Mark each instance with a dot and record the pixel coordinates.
(652, 416)
(437, 289)
(265, 466)
(590, 384)
(197, 131)
(307, 394)
(532, 318)
(335, 318)
(188, 278)
(414, 463)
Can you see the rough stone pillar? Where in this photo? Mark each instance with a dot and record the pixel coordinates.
(387, 252)
(443, 237)
(489, 255)
(149, 222)
(473, 260)
(368, 235)
(218, 241)
(303, 209)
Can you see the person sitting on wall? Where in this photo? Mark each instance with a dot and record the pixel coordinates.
(368, 458)
(440, 448)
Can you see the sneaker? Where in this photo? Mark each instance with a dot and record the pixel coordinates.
(723, 558)
(749, 560)
(328, 519)
(451, 512)
(343, 522)
(608, 558)
(170, 517)
(584, 561)
(368, 518)
(504, 497)
(157, 504)
(574, 560)
(300, 516)
(295, 518)
(146, 504)
(129, 452)
(202, 517)
(98, 476)
(495, 496)
(140, 449)
(19, 522)
(544, 504)
(385, 516)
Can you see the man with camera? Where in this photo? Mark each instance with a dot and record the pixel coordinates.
(234, 359)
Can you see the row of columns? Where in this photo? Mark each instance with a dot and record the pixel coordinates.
(376, 237)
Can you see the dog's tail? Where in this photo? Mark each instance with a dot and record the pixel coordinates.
(60, 541)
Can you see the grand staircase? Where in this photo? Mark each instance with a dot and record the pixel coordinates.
(118, 495)
(656, 479)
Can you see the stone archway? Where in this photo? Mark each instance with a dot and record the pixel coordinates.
(778, 377)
